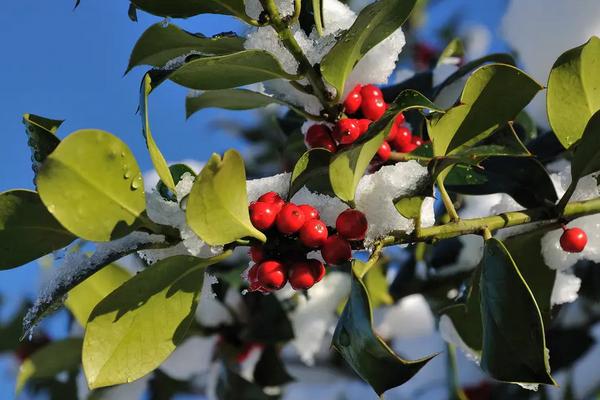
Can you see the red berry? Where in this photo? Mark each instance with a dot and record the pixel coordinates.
(392, 133)
(272, 198)
(257, 253)
(320, 136)
(384, 152)
(402, 138)
(271, 274)
(399, 119)
(371, 92)
(346, 131)
(408, 148)
(373, 108)
(309, 211)
(313, 233)
(417, 141)
(336, 250)
(290, 219)
(253, 273)
(318, 269)
(352, 102)
(262, 215)
(301, 275)
(352, 224)
(363, 125)
(573, 240)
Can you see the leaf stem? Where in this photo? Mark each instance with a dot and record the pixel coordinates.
(446, 199)
(288, 40)
(372, 259)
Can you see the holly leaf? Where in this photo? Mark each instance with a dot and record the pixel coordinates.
(573, 91)
(586, 158)
(93, 186)
(217, 209)
(158, 160)
(368, 355)
(124, 340)
(42, 140)
(231, 386)
(317, 7)
(82, 299)
(49, 361)
(311, 171)
(270, 369)
(374, 23)
(187, 8)
(160, 44)
(454, 49)
(229, 71)
(27, 230)
(514, 343)
(492, 96)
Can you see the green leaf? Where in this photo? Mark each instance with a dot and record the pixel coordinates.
(270, 369)
(231, 386)
(42, 137)
(586, 158)
(377, 286)
(50, 360)
(82, 299)
(409, 207)
(492, 96)
(187, 8)
(311, 171)
(317, 7)
(574, 91)
(374, 23)
(524, 179)
(136, 327)
(364, 351)
(160, 44)
(233, 99)
(454, 49)
(177, 172)
(229, 71)
(514, 343)
(93, 186)
(349, 165)
(27, 230)
(217, 209)
(158, 160)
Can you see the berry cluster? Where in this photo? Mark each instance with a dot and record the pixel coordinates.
(292, 232)
(573, 240)
(364, 105)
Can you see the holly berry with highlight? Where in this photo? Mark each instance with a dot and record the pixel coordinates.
(262, 215)
(353, 100)
(271, 274)
(352, 224)
(573, 240)
(272, 198)
(313, 233)
(319, 136)
(290, 219)
(336, 250)
(346, 131)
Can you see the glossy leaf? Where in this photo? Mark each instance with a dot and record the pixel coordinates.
(524, 179)
(349, 165)
(50, 360)
(82, 299)
(586, 158)
(158, 160)
(160, 44)
(232, 99)
(364, 351)
(229, 71)
(514, 343)
(27, 230)
(217, 207)
(573, 91)
(92, 184)
(374, 23)
(42, 137)
(492, 96)
(311, 171)
(409, 207)
(187, 8)
(136, 327)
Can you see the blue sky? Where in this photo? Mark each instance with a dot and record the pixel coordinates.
(68, 64)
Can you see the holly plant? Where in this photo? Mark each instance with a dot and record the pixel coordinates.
(363, 169)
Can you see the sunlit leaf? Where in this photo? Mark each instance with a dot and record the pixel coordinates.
(42, 137)
(311, 171)
(187, 8)
(586, 158)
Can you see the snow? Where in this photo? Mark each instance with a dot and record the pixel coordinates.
(565, 288)
(409, 318)
(450, 335)
(329, 207)
(541, 30)
(211, 312)
(254, 8)
(277, 183)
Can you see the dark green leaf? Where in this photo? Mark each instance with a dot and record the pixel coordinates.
(231, 386)
(514, 344)
(160, 44)
(270, 370)
(229, 71)
(42, 137)
(311, 171)
(187, 8)
(374, 23)
(364, 351)
(523, 178)
(177, 171)
(586, 158)
(27, 230)
(50, 360)
(574, 91)
(136, 327)
(270, 323)
(492, 96)
(158, 160)
(217, 208)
